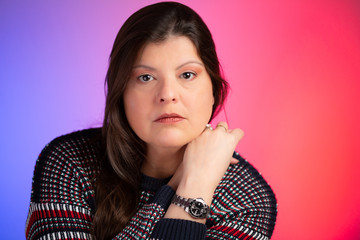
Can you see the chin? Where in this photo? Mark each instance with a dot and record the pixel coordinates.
(171, 144)
(173, 141)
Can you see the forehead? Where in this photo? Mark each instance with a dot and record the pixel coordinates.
(178, 48)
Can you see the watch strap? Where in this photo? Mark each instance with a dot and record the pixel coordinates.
(181, 202)
(195, 207)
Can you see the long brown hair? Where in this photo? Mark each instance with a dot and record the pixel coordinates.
(118, 184)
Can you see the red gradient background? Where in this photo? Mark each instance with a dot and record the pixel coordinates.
(294, 71)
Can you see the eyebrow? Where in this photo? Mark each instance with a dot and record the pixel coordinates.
(144, 66)
(182, 65)
(190, 62)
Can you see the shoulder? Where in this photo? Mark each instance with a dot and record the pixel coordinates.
(245, 177)
(79, 146)
(244, 196)
(67, 163)
(84, 138)
(249, 185)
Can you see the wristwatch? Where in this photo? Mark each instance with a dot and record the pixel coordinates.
(196, 207)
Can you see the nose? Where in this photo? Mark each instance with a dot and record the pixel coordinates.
(167, 91)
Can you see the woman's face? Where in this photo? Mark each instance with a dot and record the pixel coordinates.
(168, 100)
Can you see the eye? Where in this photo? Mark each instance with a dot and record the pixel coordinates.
(146, 78)
(188, 75)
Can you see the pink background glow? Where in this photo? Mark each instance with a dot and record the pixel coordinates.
(294, 71)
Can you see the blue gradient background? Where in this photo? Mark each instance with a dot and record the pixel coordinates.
(294, 68)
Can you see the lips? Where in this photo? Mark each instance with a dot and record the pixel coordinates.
(169, 118)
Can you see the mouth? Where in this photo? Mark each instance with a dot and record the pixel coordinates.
(169, 118)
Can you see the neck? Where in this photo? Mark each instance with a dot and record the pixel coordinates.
(162, 163)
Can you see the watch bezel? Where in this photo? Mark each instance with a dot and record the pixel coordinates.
(194, 207)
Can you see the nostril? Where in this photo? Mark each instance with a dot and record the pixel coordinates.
(168, 99)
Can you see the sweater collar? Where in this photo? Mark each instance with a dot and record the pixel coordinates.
(152, 184)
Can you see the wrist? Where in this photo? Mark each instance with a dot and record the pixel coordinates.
(195, 207)
(176, 212)
(196, 188)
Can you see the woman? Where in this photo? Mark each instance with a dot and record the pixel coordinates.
(156, 169)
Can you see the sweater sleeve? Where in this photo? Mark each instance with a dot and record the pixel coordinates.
(62, 199)
(142, 223)
(243, 207)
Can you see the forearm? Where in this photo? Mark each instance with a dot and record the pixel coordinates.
(50, 220)
(143, 222)
(44, 219)
(191, 188)
(178, 224)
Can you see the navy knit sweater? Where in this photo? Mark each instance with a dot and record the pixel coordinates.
(63, 199)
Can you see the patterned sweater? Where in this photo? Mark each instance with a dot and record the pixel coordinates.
(63, 202)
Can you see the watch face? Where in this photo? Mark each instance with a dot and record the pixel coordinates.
(198, 209)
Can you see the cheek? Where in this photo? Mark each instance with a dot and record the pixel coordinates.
(209, 106)
(202, 105)
(131, 105)
(208, 97)
(137, 112)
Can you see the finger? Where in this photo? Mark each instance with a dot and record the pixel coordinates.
(223, 125)
(234, 161)
(237, 133)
